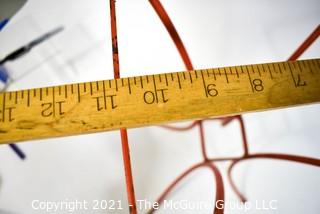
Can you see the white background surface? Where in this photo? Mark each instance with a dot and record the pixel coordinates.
(215, 33)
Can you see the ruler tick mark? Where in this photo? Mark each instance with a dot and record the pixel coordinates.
(294, 81)
(279, 69)
(91, 92)
(225, 72)
(184, 75)
(196, 74)
(104, 95)
(84, 87)
(97, 85)
(259, 72)
(214, 74)
(40, 94)
(310, 66)
(165, 75)
(207, 72)
(155, 88)
(204, 84)
(78, 90)
(66, 91)
(249, 79)
(116, 83)
(190, 76)
(28, 98)
(270, 71)
(178, 80)
(141, 81)
(129, 86)
(235, 68)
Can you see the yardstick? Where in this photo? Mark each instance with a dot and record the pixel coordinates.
(154, 99)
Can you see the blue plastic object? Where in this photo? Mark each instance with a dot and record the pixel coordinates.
(3, 23)
(4, 77)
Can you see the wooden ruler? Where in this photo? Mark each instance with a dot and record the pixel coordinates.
(154, 99)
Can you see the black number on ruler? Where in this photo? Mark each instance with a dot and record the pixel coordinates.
(257, 84)
(49, 109)
(211, 91)
(150, 97)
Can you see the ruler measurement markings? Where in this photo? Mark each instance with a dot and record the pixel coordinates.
(207, 71)
(155, 88)
(269, 70)
(91, 91)
(79, 93)
(196, 74)
(204, 83)
(299, 71)
(274, 69)
(159, 77)
(225, 73)
(97, 86)
(279, 68)
(40, 94)
(249, 77)
(214, 74)
(129, 86)
(258, 69)
(141, 81)
(66, 91)
(84, 87)
(104, 95)
(291, 72)
(28, 98)
(190, 77)
(166, 78)
(235, 68)
(116, 83)
(178, 80)
(310, 66)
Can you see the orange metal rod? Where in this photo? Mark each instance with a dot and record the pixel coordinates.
(123, 132)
